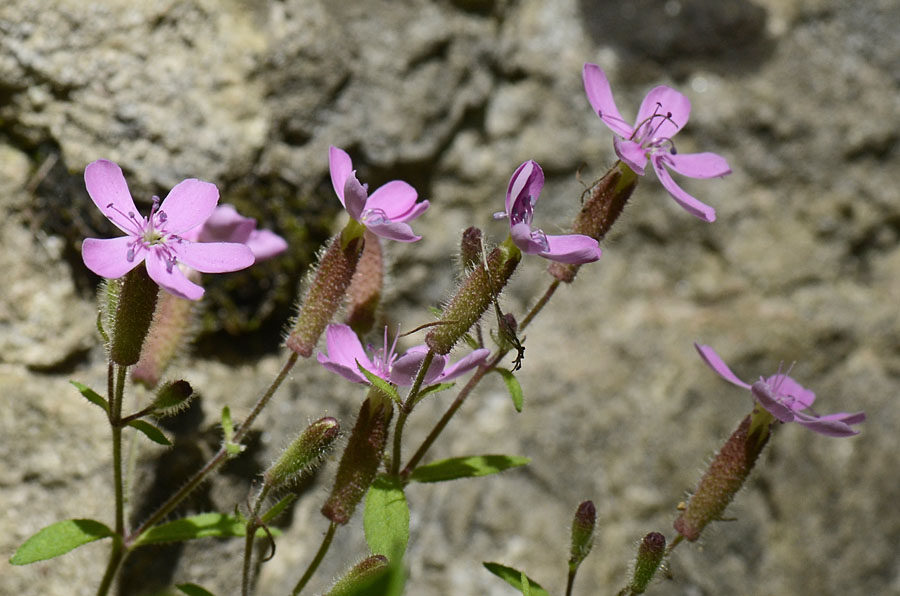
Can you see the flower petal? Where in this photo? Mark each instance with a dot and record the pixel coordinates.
(213, 257)
(763, 393)
(826, 425)
(464, 365)
(573, 249)
(787, 386)
(406, 367)
(171, 280)
(340, 165)
(526, 182)
(663, 113)
(715, 362)
(106, 185)
(634, 156)
(266, 244)
(224, 225)
(521, 237)
(344, 351)
(398, 231)
(599, 94)
(355, 196)
(687, 202)
(698, 165)
(397, 200)
(108, 257)
(188, 205)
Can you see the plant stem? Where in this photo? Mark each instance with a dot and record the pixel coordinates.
(323, 548)
(116, 557)
(406, 409)
(570, 583)
(115, 421)
(540, 304)
(252, 525)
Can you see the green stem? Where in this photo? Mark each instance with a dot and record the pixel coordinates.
(323, 549)
(570, 583)
(540, 304)
(406, 409)
(252, 524)
(115, 420)
(116, 557)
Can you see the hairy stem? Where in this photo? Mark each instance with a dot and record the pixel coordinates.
(317, 560)
(406, 409)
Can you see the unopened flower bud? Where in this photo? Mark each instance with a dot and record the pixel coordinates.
(366, 570)
(172, 397)
(364, 293)
(473, 297)
(325, 293)
(723, 479)
(606, 200)
(361, 458)
(172, 328)
(649, 557)
(305, 454)
(583, 525)
(470, 249)
(134, 312)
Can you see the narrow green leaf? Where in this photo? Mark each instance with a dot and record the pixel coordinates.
(277, 508)
(466, 467)
(434, 389)
(151, 432)
(386, 518)
(377, 381)
(227, 426)
(204, 525)
(194, 590)
(58, 539)
(513, 386)
(92, 396)
(529, 587)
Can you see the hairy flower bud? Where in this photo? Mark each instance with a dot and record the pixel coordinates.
(364, 293)
(724, 477)
(172, 397)
(325, 293)
(583, 525)
(470, 249)
(367, 569)
(305, 454)
(606, 200)
(134, 312)
(171, 329)
(473, 297)
(649, 557)
(359, 463)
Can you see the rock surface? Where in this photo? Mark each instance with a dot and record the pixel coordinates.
(802, 265)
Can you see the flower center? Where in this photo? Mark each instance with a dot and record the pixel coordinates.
(383, 358)
(645, 133)
(375, 217)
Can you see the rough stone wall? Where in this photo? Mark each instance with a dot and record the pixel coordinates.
(803, 264)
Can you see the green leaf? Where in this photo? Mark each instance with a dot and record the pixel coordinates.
(194, 590)
(92, 396)
(377, 381)
(151, 432)
(204, 525)
(514, 578)
(277, 508)
(513, 386)
(386, 518)
(434, 389)
(466, 467)
(233, 449)
(58, 539)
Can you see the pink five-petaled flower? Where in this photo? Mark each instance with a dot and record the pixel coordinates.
(785, 399)
(386, 211)
(346, 354)
(227, 225)
(663, 113)
(157, 239)
(521, 196)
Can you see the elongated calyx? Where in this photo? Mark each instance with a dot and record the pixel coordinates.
(305, 454)
(583, 525)
(172, 328)
(359, 463)
(367, 569)
(473, 297)
(325, 293)
(649, 558)
(364, 293)
(605, 202)
(470, 249)
(172, 397)
(134, 313)
(724, 477)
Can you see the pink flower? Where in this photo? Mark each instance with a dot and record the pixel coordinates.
(158, 239)
(663, 113)
(227, 225)
(521, 197)
(786, 399)
(345, 352)
(386, 211)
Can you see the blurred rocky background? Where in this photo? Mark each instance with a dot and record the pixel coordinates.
(803, 265)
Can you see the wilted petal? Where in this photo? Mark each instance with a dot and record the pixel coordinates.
(698, 165)
(398, 231)
(716, 363)
(632, 153)
(397, 200)
(671, 109)
(572, 249)
(599, 94)
(188, 205)
(108, 257)
(106, 185)
(266, 244)
(213, 257)
(169, 276)
(767, 399)
(464, 365)
(687, 202)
